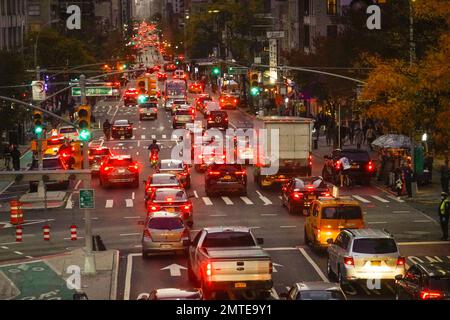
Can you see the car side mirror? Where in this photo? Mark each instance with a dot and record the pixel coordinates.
(399, 277)
(330, 241)
(260, 241)
(141, 222)
(187, 243)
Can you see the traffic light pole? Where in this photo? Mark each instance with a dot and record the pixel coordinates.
(89, 259)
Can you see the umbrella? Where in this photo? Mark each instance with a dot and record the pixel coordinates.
(392, 141)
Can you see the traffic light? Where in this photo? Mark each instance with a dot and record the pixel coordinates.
(84, 122)
(254, 91)
(216, 71)
(142, 98)
(38, 119)
(254, 83)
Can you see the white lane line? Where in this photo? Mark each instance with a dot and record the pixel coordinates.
(196, 194)
(281, 249)
(77, 185)
(314, 265)
(217, 215)
(164, 136)
(139, 143)
(129, 203)
(3, 247)
(288, 226)
(129, 234)
(69, 204)
(143, 136)
(227, 201)
(274, 294)
(247, 200)
(422, 221)
(360, 198)
(29, 257)
(395, 198)
(380, 199)
(18, 252)
(71, 238)
(137, 153)
(153, 136)
(144, 129)
(207, 201)
(264, 199)
(377, 222)
(422, 243)
(109, 203)
(126, 294)
(136, 217)
(279, 197)
(268, 214)
(401, 211)
(133, 196)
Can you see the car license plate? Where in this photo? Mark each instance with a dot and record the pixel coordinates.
(375, 263)
(355, 166)
(170, 209)
(240, 285)
(121, 171)
(166, 246)
(311, 197)
(227, 178)
(281, 177)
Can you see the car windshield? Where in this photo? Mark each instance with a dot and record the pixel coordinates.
(121, 123)
(165, 223)
(356, 156)
(179, 102)
(172, 195)
(67, 130)
(164, 179)
(225, 168)
(54, 141)
(374, 246)
(171, 165)
(342, 212)
(120, 162)
(441, 284)
(320, 295)
(228, 239)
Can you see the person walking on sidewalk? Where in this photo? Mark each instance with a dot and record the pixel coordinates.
(370, 137)
(15, 156)
(445, 175)
(359, 137)
(444, 214)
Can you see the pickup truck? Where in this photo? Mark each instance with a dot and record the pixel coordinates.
(229, 259)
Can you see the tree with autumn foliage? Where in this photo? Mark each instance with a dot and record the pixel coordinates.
(415, 99)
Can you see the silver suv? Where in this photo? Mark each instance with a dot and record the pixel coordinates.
(364, 254)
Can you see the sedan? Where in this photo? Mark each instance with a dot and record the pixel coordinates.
(148, 110)
(196, 87)
(119, 170)
(164, 231)
(298, 193)
(96, 157)
(162, 76)
(315, 291)
(122, 128)
(171, 200)
(178, 168)
(160, 180)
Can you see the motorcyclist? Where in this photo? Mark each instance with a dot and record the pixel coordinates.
(154, 148)
(107, 128)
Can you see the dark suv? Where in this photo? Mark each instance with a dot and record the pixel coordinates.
(217, 119)
(361, 170)
(225, 177)
(424, 281)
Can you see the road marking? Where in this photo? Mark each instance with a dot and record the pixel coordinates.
(279, 197)
(164, 136)
(360, 198)
(274, 294)
(126, 294)
(268, 214)
(288, 226)
(395, 198)
(69, 204)
(109, 203)
(377, 222)
(264, 199)
(136, 217)
(153, 136)
(404, 211)
(422, 243)
(77, 185)
(174, 269)
(281, 249)
(314, 265)
(137, 153)
(29, 257)
(3, 247)
(133, 195)
(195, 194)
(139, 143)
(129, 203)
(71, 238)
(217, 215)
(227, 201)
(246, 200)
(129, 234)
(422, 221)
(207, 201)
(18, 252)
(143, 136)
(380, 199)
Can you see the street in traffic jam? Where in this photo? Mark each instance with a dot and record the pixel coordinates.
(224, 150)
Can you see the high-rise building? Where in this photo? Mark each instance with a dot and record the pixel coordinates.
(13, 20)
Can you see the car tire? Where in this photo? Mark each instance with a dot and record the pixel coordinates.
(330, 273)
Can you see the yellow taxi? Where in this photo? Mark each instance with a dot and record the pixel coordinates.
(328, 216)
(54, 143)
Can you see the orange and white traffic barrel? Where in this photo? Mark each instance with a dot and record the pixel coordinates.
(19, 233)
(73, 232)
(46, 233)
(16, 212)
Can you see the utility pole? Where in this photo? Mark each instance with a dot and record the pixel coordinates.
(89, 259)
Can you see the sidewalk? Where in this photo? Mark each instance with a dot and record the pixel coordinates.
(25, 163)
(45, 279)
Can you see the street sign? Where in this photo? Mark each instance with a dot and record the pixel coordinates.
(237, 70)
(38, 88)
(87, 199)
(93, 91)
(275, 34)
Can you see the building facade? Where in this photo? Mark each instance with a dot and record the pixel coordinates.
(13, 21)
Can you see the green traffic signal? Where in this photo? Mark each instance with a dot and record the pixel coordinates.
(142, 98)
(85, 135)
(216, 71)
(254, 91)
(38, 130)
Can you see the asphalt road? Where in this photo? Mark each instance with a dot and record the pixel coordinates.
(118, 211)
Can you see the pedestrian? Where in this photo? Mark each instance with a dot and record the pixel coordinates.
(329, 134)
(409, 177)
(444, 214)
(445, 175)
(370, 137)
(359, 137)
(399, 186)
(15, 156)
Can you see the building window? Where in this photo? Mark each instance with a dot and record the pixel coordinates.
(306, 8)
(307, 35)
(34, 10)
(332, 7)
(332, 31)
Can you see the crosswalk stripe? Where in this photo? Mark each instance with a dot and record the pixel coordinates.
(153, 136)
(129, 203)
(164, 136)
(380, 199)
(227, 200)
(246, 200)
(360, 198)
(396, 199)
(207, 201)
(109, 204)
(143, 136)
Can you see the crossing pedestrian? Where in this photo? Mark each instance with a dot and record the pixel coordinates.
(445, 176)
(444, 214)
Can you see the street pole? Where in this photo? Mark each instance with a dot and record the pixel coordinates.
(89, 259)
(339, 125)
(412, 58)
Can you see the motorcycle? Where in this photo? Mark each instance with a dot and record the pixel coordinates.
(153, 159)
(107, 133)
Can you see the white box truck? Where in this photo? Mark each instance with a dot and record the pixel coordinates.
(285, 150)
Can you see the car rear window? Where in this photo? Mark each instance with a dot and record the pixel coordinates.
(170, 165)
(320, 295)
(121, 122)
(441, 284)
(218, 113)
(148, 105)
(170, 195)
(225, 168)
(374, 246)
(51, 163)
(120, 162)
(183, 112)
(315, 182)
(165, 179)
(165, 223)
(356, 156)
(99, 152)
(228, 239)
(67, 130)
(342, 212)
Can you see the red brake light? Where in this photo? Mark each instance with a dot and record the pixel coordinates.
(370, 166)
(209, 118)
(153, 208)
(297, 195)
(338, 165)
(213, 173)
(240, 173)
(430, 294)
(133, 167)
(147, 234)
(105, 169)
(349, 261)
(208, 269)
(401, 261)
